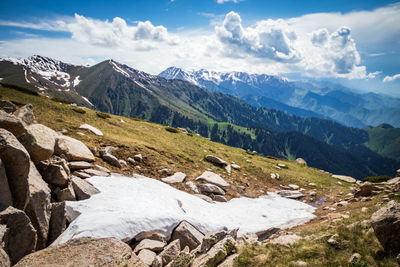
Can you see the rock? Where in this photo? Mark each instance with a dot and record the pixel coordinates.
(344, 178)
(38, 208)
(131, 161)
(4, 259)
(188, 235)
(366, 190)
(58, 221)
(177, 177)
(210, 188)
(212, 178)
(90, 128)
(263, 235)
(219, 198)
(7, 106)
(5, 193)
(216, 160)
(294, 186)
(39, 141)
(282, 166)
(20, 235)
(84, 251)
(83, 189)
(386, 225)
(205, 198)
(184, 259)
(312, 184)
(72, 149)
(291, 194)
(153, 235)
(12, 124)
(170, 252)
(356, 257)
(101, 168)
(228, 169)
(230, 261)
(153, 245)
(286, 240)
(55, 172)
(301, 161)
(16, 163)
(147, 256)
(82, 175)
(217, 253)
(25, 114)
(235, 166)
(164, 171)
(298, 263)
(138, 157)
(110, 159)
(192, 187)
(313, 193)
(210, 239)
(79, 165)
(93, 172)
(275, 176)
(66, 194)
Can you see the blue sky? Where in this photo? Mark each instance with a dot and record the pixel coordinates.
(356, 43)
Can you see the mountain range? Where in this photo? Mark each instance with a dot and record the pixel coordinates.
(118, 89)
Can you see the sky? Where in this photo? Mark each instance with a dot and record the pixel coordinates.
(355, 43)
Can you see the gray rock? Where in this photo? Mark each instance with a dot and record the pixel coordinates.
(286, 240)
(219, 198)
(177, 177)
(131, 161)
(170, 252)
(217, 254)
(91, 129)
(262, 235)
(165, 171)
(138, 157)
(210, 239)
(79, 165)
(282, 166)
(25, 114)
(16, 163)
(12, 124)
(72, 149)
(93, 172)
(101, 168)
(230, 261)
(82, 175)
(345, 178)
(216, 160)
(66, 194)
(20, 235)
(153, 235)
(147, 256)
(235, 166)
(110, 159)
(210, 188)
(291, 194)
(58, 221)
(192, 186)
(386, 225)
(83, 189)
(301, 161)
(153, 245)
(188, 235)
(205, 198)
(5, 193)
(294, 186)
(366, 190)
(55, 172)
(7, 106)
(212, 178)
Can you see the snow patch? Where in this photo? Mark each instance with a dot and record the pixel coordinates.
(118, 69)
(76, 81)
(127, 206)
(87, 100)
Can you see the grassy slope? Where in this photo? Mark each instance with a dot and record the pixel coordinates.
(185, 153)
(385, 141)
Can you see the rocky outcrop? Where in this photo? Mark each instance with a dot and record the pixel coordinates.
(344, 178)
(16, 162)
(72, 149)
(212, 178)
(55, 172)
(216, 160)
(83, 189)
(301, 161)
(177, 177)
(217, 254)
(386, 225)
(170, 253)
(153, 245)
(92, 129)
(5, 193)
(12, 124)
(188, 235)
(366, 190)
(19, 237)
(84, 252)
(58, 221)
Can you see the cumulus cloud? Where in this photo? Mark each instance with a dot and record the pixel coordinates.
(225, 1)
(267, 39)
(391, 78)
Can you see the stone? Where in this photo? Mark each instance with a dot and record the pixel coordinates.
(216, 160)
(205, 198)
(235, 166)
(147, 256)
(275, 176)
(55, 172)
(219, 198)
(16, 163)
(286, 240)
(138, 157)
(386, 225)
(153, 235)
(5, 192)
(82, 188)
(111, 159)
(66, 194)
(313, 193)
(122, 162)
(230, 261)
(344, 178)
(84, 251)
(177, 177)
(312, 184)
(58, 221)
(366, 190)
(210, 239)
(4, 259)
(38, 208)
(298, 263)
(228, 169)
(192, 186)
(165, 171)
(79, 165)
(20, 235)
(7, 106)
(25, 114)
(72, 149)
(170, 252)
(294, 186)
(82, 175)
(212, 178)
(92, 129)
(188, 235)
(184, 259)
(210, 188)
(282, 166)
(153, 245)
(101, 168)
(217, 254)
(291, 194)
(131, 161)
(263, 235)
(93, 172)
(301, 161)
(11, 123)
(356, 257)
(39, 141)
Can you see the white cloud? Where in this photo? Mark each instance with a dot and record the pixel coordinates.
(391, 78)
(225, 1)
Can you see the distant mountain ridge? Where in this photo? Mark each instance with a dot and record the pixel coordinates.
(310, 99)
(116, 88)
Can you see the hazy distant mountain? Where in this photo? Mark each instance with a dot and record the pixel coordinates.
(311, 99)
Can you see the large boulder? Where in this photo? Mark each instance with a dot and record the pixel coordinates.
(16, 162)
(177, 177)
(90, 128)
(84, 251)
(216, 160)
(72, 149)
(83, 189)
(210, 188)
(25, 114)
(66, 194)
(153, 245)
(344, 178)
(366, 190)
(386, 225)
(147, 256)
(38, 208)
(188, 235)
(5, 193)
(58, 221)
(4, 259)
(20, 236)
(12, 124)
(212, 178)
(170, 253)
(111, 159)
(55, 172)
(79, 165)
(39, 141)
(217, 254)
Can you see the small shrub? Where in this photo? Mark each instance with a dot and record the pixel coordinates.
(21, 89)
(377, 179)
(79, 110)
(61, 100)
(103, 115)
(172, 130)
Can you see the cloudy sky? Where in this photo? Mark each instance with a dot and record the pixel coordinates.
(356, 43)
